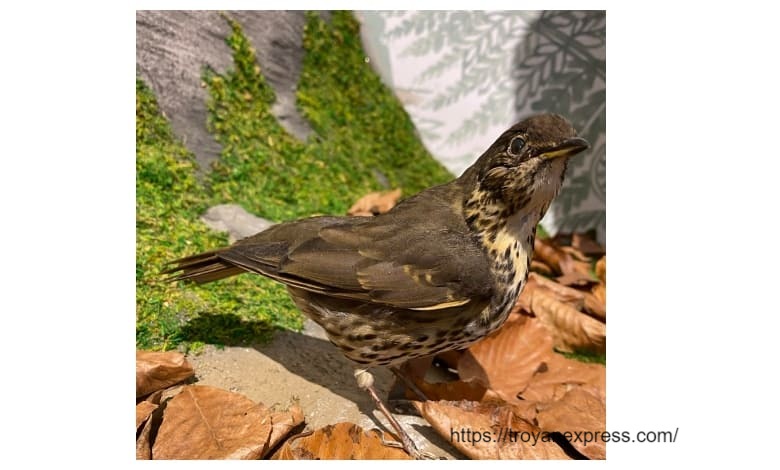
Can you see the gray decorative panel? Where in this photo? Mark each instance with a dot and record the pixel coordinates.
(465, 76)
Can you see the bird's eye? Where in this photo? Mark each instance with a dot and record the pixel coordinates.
(516, 146)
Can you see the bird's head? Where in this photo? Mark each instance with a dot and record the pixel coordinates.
(524, 167)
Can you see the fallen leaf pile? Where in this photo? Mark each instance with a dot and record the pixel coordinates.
(342, 441)
(515, 397)
(526, 395)
(202, 422)
(572, 304)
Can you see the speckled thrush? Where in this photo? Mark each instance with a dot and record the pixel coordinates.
(439, 271)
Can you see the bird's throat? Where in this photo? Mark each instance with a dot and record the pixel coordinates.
(508, 241)
(500, 229)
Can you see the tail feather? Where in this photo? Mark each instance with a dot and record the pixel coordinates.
(202, 268)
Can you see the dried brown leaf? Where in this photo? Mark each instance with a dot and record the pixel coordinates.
(158, 370)
(170, 392)
(375, 203)
(456, 390)
(574, 254)
(571, 264)
(559, 375)
(506, 361)
(581, 410)
(586, 244)
(142, 411)
(282, 422)
(489, 430)
(600, 292)
(576, 272)
(541, 268)
(576, 278)
(601, 269)
(577, 299)
(342, 441)
(205, 422)
(153, 397)
(594, 305)
(573, 297)
(143, 446)
(547, 252)
(523, 303)
(571, 329)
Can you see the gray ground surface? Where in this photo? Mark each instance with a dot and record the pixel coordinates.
(308, 370)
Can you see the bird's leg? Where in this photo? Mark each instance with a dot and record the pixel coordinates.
(408, 375)
(366, 381)
(410, 370)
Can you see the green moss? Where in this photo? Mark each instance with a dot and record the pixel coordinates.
(364, 123)
(586, 356)
(169, 200)
(360, 127)
(361, 130)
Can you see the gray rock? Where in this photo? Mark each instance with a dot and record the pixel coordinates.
(277, 36)
(314, 330)
(173, 47)
(235, 220)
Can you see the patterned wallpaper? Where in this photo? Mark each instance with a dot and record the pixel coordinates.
(465, 76)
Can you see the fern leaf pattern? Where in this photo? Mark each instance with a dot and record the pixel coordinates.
(464, 76)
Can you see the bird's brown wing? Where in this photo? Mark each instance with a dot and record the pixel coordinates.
(376, 260)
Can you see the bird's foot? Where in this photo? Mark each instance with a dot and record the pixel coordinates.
(366, 382)
(411, 449)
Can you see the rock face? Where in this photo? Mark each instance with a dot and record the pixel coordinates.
(173, 47)
(235, 220)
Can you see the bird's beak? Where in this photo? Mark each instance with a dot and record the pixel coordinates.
(567, 148)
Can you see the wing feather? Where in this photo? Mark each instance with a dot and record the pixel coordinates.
(414, 265)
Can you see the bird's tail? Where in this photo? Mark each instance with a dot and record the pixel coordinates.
(202, 268)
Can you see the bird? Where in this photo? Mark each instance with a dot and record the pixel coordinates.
(439, 271)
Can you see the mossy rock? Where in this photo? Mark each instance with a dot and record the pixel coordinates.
(362, 141)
